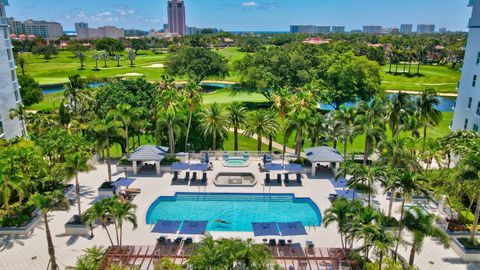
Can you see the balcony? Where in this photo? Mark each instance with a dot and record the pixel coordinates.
(3, 21)
(11, 64)
(8, 43)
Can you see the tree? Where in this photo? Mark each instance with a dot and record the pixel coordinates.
(399, 113)
(117, 57)
(122, 211)
(197, 63)
(260, 124)
(362, 177)
(346, 118)
(80, 55)
(214, 123)
(104, 55)
(426, 111)
(46, 50)
(46, 202)
(174, 122)
(110, 45)
(104, 130)
(99, 211)
(74, 95)
(91, 259)
(129, 117)
(22, 62)
(237, 118)
(75, 164)
(469, 172)
(303, 104)
(281, 102)
(421, 224)
(339, 213)
(96, 57)
(131, 57)
(138, 44)
(192, 93)
(30, 90)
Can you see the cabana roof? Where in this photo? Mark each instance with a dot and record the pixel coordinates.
(149, 153)
(323, 154)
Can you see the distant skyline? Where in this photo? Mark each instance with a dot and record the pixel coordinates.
(248, 15)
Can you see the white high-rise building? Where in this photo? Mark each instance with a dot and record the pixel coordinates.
(9, 87)
(467, 108)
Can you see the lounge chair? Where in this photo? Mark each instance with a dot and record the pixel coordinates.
(299, 179)
(225, 156)
(204, 177)
(279, 178)
(162, 240)
(178, 240)
(187, 176)
(272, 242)
(246, 156)
(267, 179)
(188, 241)
(287, 179)
(194, 177)
(175, 176)
(282, 242)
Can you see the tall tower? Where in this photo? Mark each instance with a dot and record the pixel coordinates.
(467, 108)
(176, 17)
(9, 87)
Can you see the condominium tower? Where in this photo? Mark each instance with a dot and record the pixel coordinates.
(406, 28)
(84, 32)
(373, 29)
(9, 88)
(425, 29)
(176, 17)
(467, 108)
(44, 29)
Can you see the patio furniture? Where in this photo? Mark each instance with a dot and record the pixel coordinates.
(162, 240)
(267, 179)
(272, 242)
(204, 177)
(279, 178)
(194, 176)
(309, 244)
(133, 191)
(260, 168)
(299, 179)
(175, 176)
(282, 242)
(187, 176)
(178, 240)
(287, 179)
(246, 156)
(189, 240)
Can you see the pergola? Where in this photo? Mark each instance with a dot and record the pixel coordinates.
(323, 154)
(148, 153)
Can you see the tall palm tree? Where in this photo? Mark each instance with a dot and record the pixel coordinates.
(421, 224)
(75, 164)
(214, 123)
(334, 128)
(123, 211)
(426, 111)
(260, 124)
(174, 122)
(104, 130)
(272, 116)
(21, 62)
(339, 213)
(469, 172)
(281, 102)
(8, 185)
(192, 93)
(303, 106)
(99, 211)
(46, 202)
(400, 109)
(91, 259)
(73, 95)
(237, 118)
(20, 113)
(362, 177)
(81, 57)
(128, 116)
(346, 117)
(370, 122)
(317, 130)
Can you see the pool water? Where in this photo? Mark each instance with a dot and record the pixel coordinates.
(235, 162)
(240, 210)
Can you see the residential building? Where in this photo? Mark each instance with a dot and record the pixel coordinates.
(84, 32)
(425, 29)
(176, 17)
(191, 30)
(9, 87)
(323, 29)
(135, 33)
(442, 30)
(406, 28)
(338, 29)
(372, 29)
(165, 27)
(44, 29)
(467, 108)
(303, 29)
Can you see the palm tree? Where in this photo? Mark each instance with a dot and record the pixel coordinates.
(76, 163)
(46, 202)
(91, 259)
(339, 213)
(420, 223)
(362, 177)
(104, 130)
(99, 211)
(401, 108)
(364, 224)
(8, 185)
(237, 118)
(125, 114)
(104, 56)
(303, 105)
(22, 62)
(96, 57)
(73, 95)
(426, 111)
(122, 211)
(272, 116)
(131, 57)
(21, 114)
(346, 117)
(214, 122)
(382, 241)
(334, 128)
(192, 93)
(174, 122)
(81, 57)
(469, 172)
(260, 124)
(371, 123)
(281, 102)
(117, 57)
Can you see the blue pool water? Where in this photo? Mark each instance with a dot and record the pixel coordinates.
(236, 162)
(238, 209)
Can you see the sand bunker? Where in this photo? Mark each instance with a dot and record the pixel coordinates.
(133, 74)
(156, 66)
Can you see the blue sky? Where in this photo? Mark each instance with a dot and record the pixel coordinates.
(247, 14)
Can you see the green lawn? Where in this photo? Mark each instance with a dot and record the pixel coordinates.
(223, 96)
(442, 78)
(244, 143)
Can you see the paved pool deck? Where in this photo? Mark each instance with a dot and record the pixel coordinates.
(30, 252)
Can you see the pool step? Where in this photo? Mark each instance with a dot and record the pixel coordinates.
(228, 197)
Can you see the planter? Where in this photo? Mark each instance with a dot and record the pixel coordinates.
(121, 168)
(105, 190)
(24, 230)
(467, 255)
(74, 227)
(457, 233)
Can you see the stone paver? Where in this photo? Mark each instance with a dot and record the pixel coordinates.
(27, 253)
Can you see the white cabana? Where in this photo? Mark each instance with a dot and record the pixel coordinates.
(323, 154)
(148, 153)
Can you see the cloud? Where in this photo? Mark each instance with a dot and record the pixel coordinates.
(104, 14)
(249, 4)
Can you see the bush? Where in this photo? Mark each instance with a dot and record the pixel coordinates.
(469, 245)
(125, 161)
(169, 161)
(301, 161)
(106, 185)
(19, 215)
(30, 90)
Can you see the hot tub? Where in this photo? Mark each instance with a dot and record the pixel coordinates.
(235, 179)
(235, 162)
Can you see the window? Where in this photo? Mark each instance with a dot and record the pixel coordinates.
(475, 127)
(478, 58)
(469, 106)
(1, 126)
(474, 80)
(17, 96)
(465, 126)
(478, 109)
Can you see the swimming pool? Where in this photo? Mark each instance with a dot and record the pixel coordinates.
(235, 162)
(240, 210)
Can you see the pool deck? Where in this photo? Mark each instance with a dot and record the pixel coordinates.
(30, 252)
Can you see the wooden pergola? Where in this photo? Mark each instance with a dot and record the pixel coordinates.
(289, 257)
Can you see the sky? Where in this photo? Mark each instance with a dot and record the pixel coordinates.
(247, 15)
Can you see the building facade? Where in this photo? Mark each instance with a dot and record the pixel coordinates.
(425, 29)
(467, 108)
(406, 28)
(44, 29)
(9, 87)
(323, 30)
(338, 29)
(313, 29)
(176, 17)
(84, 32)
(372, 29)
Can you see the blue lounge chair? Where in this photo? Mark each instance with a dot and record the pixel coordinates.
(279, 178)
(272, 242)
(187, 176)
(299, 179)
(204, 177)
(267, 179)
(194, 177)
(175, 176)
(287, 179)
